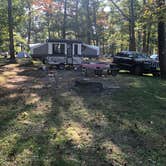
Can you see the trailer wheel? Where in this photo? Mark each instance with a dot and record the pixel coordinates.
(61, 66)
(156, 74)
(45, 61)
(114, 72)
(109, 72)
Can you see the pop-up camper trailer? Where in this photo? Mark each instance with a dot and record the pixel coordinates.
(62, 51)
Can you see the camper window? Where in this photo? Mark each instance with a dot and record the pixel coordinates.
(58, 48)
(75, 49)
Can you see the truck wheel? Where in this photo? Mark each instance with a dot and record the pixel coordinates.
(156, 74)
(61, 66)
(137, 70)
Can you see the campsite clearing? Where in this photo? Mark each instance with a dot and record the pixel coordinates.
(46, 120)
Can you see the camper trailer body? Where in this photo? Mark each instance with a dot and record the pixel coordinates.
(59, 51)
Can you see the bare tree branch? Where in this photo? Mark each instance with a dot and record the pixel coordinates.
(121, 12)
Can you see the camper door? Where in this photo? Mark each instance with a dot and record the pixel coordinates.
(77, 59)
(69, 58)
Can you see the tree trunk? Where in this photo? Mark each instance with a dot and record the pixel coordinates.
(29, 23)
(139, 47)
(132, 44)
(95, 31)
(48, 23)
(144, 34)
(10, 24)
(131, 19)
(148, 39)
(49, 18)
(64, 20)
(76, 21)
(103, 45)
(162, 42)
(162, 49)
(144, 39)
(88, 23)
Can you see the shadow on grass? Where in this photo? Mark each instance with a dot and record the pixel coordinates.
(83, 128)
(136, 116)
(33, 126)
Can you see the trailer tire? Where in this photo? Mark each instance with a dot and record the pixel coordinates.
(109, 72)
(114, 72)
(45, 61)
(61, 66)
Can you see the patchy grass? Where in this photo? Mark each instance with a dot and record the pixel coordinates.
(44, 125)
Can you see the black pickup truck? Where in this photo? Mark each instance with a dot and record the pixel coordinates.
(136, 63)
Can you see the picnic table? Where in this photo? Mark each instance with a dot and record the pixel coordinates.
(99, 68)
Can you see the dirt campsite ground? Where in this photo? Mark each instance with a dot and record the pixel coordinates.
(46, 120)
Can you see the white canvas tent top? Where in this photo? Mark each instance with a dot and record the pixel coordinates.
(90, 49)
(36, 45)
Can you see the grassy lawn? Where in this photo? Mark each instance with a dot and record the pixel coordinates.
(42, 124)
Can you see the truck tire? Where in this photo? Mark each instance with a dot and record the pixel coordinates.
(156, 74)
(137, 70)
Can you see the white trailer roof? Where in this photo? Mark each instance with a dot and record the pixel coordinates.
(35, 45)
